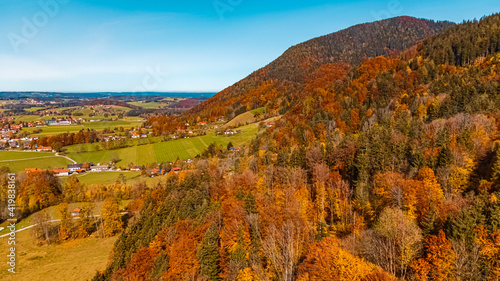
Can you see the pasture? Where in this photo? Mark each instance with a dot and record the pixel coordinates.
(74, 260)
(56, 130)
(19, 161)
(165, 151)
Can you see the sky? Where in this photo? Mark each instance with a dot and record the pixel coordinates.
(176, 46)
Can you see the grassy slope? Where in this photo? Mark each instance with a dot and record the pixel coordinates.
(106, 178)
(166, 151)
(42, 163)
(14, 155)
(55, 130)
(242, 119)
(74, 260)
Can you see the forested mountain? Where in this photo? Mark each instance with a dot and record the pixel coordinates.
(379, 168)
(289, 72)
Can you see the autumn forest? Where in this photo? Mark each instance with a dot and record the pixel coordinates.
(382, 163)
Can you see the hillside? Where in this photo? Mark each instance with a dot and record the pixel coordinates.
(380, 168)
(288, 73)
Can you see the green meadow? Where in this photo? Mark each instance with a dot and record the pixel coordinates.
(19, 161)
(165, 151)
(55, 130)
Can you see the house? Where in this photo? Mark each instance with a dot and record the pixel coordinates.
(270, 124)
(61, 172)
(176, 170)
(100, 168)
(156, 172)
(75, 167)
(229, 132)
(76, 212)
(44, 148)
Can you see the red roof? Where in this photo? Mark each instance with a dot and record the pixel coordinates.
(59, 171)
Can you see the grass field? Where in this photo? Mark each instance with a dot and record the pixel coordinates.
(150, 105)
(108, 177)
(16, 155)
(74, 260)
(260, 110)
(19, 161)
(165, 151)
(242, 119)
(55, 130)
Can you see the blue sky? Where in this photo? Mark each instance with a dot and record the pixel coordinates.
(99, 45)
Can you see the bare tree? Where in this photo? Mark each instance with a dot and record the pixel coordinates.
(41, 230)
(467, 260)
(283, 246)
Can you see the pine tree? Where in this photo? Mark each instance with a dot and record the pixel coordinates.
(429, 221)
(208, 254)
(495, 173)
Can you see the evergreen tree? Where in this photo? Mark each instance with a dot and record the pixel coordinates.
(208, 254)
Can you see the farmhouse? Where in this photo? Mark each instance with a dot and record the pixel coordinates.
(76, 212)
(44, 148)
(100, 168)
(156, 172)
(135, 168)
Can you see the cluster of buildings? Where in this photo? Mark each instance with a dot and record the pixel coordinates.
(74, 169)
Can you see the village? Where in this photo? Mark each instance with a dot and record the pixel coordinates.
(79, 169)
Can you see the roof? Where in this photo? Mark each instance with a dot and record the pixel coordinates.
(34, 170)
(60, 171)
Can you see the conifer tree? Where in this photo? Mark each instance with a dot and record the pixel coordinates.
(208, 254)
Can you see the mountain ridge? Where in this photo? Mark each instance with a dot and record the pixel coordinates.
(348, 46)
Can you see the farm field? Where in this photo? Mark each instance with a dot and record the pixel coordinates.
(165, 151)
(55, 130)
(18, 161)
(107, 177)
